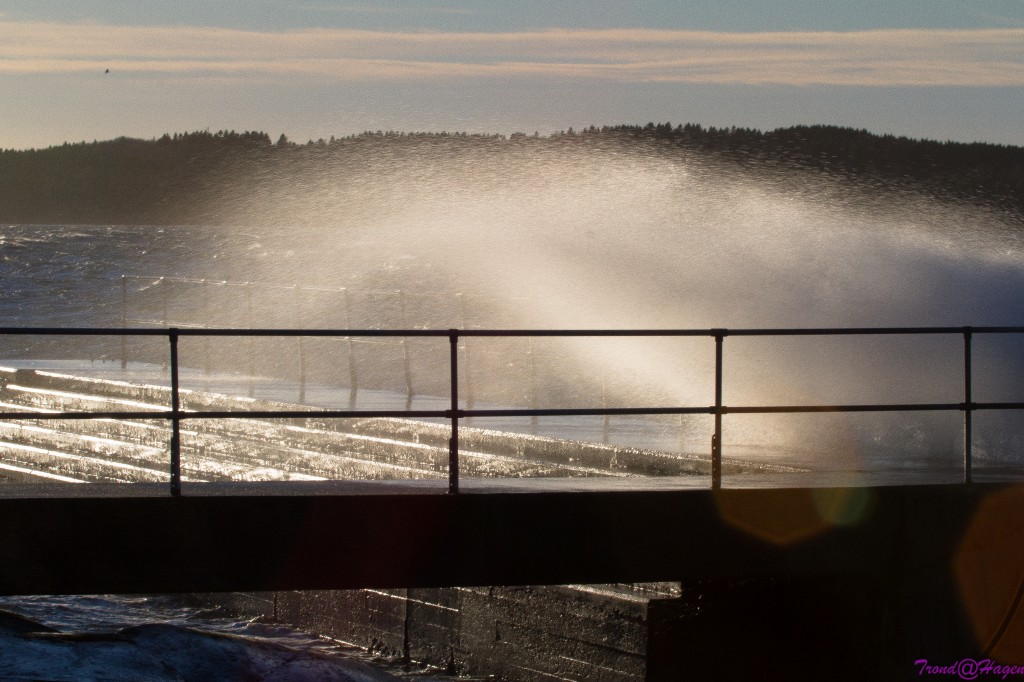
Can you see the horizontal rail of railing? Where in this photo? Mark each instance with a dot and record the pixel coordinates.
(455, 413)
(462, 333)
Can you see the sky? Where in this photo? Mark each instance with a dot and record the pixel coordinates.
(935, 69)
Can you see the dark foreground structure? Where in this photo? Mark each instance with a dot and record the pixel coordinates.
(850, 582)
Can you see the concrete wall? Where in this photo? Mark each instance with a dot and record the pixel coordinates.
(515, 633)
(820, 627)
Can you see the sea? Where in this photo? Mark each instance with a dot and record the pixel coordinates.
(155, 638)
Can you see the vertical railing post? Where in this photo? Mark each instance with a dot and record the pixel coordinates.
(453, 442)
(353, 377)
(206, 324)
(406, 360)
(716, 439)
(968, 405)
(604, 405)
(172, 335)
(164, 296)
(299, 323)
(534, 396)
(124, 321)
(250, 369)
(467, 366)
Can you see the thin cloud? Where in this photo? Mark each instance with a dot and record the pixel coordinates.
(979, 57)
(403, 10)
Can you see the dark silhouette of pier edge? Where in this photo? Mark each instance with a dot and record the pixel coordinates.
(906, 569)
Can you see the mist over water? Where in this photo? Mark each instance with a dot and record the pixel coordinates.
(591, 237)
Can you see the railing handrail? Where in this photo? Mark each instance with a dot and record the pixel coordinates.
(175, 414)
(411, 332)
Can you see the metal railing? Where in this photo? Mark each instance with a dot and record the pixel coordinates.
(455, 413)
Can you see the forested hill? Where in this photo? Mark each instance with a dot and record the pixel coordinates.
(186, 178)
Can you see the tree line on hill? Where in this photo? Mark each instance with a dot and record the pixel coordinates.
(183, 178)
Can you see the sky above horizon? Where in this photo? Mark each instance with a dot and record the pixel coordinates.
(936, 69)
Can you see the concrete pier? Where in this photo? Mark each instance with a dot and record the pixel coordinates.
(796, 582)
(935, 569)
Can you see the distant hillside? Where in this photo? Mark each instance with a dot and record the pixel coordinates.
(187, 178)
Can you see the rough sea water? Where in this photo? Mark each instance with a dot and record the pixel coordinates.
(584, 239)
(157, 639)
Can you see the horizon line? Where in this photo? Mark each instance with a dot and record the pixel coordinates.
(590, 129)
